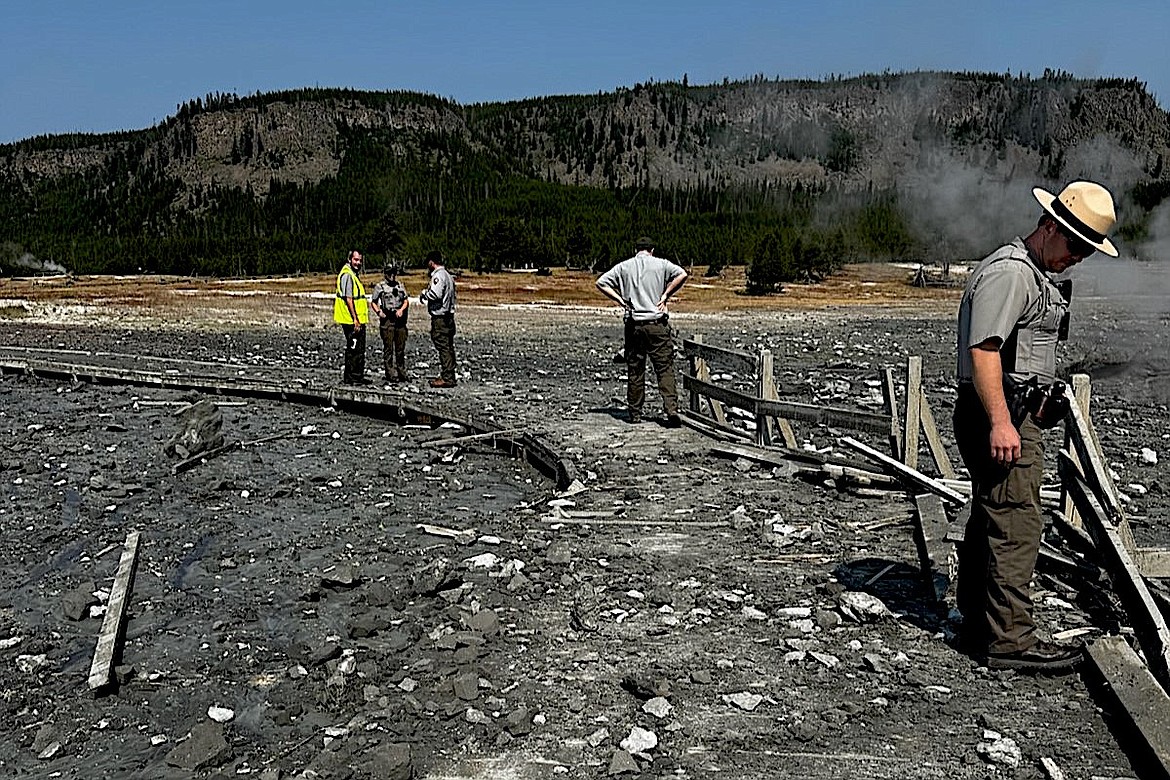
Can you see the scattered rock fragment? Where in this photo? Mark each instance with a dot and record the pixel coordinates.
(658, 707)
(863, 607)
(390, 761)
(206, 747)
(999, 750)
(622, 763)
(640, 740)
(744, 700)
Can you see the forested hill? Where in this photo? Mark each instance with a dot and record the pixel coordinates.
(287, 181)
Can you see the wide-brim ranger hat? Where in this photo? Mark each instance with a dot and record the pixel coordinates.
(1086, 209)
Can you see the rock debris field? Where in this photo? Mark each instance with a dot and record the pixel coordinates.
(340, 596)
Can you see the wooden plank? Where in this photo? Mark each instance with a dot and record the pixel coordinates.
(783, 426)
(934, 486)
(1148, 623)
(913, 413)
(890, 395)
(703, 373)
(938, 452)
(1146, 705)
(108, 652)
(724, 395)
(763, 422)
(935, 554)
(1082, 393)
(1154, 561)
(1092, 461)
(735, 360)
(714, 428)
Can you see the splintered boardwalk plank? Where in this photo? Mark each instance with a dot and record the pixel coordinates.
(934, 552)
(1148, 623)
(1145, 703)
(109, 643)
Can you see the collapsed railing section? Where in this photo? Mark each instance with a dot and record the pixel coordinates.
(1087, 511)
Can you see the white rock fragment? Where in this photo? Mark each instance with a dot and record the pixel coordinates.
(639, 741)
(484, 561)
(658, 707)
(1149, 456)
(863, 607)
(828, 660)
(1137, 487)
(1001, 750)
(597, 737)
(795, 612)
(30, 663)
(751, 613)
(744, 700)
(220, 714)
(158, 739)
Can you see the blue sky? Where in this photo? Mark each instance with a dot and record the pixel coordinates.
(73, 65)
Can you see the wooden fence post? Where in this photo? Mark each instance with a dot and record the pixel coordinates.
(891, 398)
(913, 405)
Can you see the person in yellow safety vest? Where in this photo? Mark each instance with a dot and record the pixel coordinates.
(351, 311)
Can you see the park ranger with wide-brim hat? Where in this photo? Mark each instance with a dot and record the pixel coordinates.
(1011, 318)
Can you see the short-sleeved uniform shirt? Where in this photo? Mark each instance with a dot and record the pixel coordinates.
(640, 281)
(1009, 299)
(390, 296)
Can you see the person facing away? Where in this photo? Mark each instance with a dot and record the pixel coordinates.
(390, 303)
(1010, 319)
(439, 298)
(351, 311)
(642, 285)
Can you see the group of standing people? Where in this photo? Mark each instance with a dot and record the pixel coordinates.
(391, 305)
(1012, 316)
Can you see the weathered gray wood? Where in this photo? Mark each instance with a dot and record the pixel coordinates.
(1082, 395)
(1154, 561)
(764, 423)
(893, 429)
(938, 452)
(735, 360)
(471, 437)
(1092, 462)
(702, 372)
(783, 426)
(935, 554)
(1145, 703)
(1148, 623)
(714, 428)
(913, 413)
(903, 470)
(108, 652)
(724, 395)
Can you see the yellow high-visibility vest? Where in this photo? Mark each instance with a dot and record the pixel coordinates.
(341, 313)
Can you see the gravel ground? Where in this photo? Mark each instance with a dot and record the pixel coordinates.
(683, 616)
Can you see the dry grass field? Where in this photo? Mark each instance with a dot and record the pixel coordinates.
(861, 284)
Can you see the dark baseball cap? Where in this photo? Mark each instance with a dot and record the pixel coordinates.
(644, 242)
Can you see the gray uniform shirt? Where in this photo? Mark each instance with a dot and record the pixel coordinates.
(440, 296)
(389, 296)
(641, 281)
(1010, 299)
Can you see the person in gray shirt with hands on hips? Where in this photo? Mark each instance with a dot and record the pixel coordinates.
(642, 285)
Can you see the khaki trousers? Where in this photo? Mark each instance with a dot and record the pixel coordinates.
(1002, 541)
(393, 348)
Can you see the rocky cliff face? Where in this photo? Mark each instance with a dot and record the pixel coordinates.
(875, 130)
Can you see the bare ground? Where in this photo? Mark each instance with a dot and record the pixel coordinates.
(712, 583)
